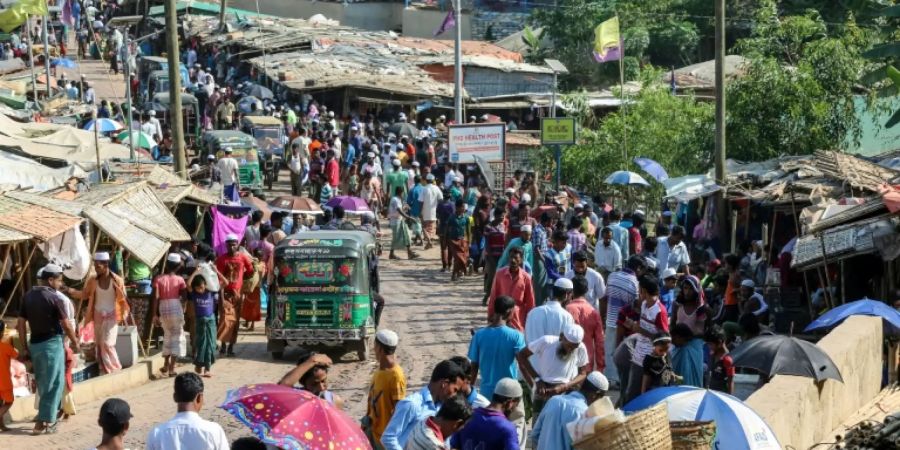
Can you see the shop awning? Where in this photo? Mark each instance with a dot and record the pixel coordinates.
(145, 246)
(37, 221)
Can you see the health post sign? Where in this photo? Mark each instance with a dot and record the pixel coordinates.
(487, 140)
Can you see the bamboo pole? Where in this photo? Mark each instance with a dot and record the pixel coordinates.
(805, 277)
(19, 279)
(828, 296)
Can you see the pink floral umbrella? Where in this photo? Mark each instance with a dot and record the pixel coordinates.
(294, 419)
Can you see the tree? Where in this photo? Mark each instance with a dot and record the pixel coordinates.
(675, 131)
(885, 77)
(796, 96)
(534, 40)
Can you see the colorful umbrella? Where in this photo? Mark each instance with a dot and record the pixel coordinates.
(63, 62)
(625, 177)
(737, 426)
(293, 419)
(653, 168)
(350, 204)
(105, 125)
(865, 307)
(141, 139)
(295, 205)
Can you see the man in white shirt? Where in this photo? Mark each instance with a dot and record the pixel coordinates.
(157, 134)
(429, 198)
(228, 170)
(450, 175)
(596, 285)
(672, 253)
(607, 254)
(187, 430)
(551, 318)
(562, 364)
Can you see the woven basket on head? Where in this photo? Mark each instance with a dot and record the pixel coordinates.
(693, 435)
(646, 430)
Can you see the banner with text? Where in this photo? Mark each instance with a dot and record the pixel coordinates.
(487, 140)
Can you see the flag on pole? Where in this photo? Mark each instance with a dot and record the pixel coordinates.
(608, 41)
(14, 16)
(448, 23)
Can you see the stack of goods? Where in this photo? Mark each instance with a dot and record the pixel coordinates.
(872, 435)
(605, 428)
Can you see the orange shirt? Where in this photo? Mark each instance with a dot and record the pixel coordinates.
(731, 291)
(7, 354)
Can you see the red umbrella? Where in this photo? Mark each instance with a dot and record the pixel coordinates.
(294, 419)
(293, 204)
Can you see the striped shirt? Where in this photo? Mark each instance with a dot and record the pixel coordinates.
(576, 240)
(425, 436)
(621, 290)
(653, 320)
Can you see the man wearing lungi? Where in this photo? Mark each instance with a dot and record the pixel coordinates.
(459, 234)
(107, 308)
(233, 266)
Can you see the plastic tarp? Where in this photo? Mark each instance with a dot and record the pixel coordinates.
(27, 173)
(70, 252)
(690, 187)
(84, 156)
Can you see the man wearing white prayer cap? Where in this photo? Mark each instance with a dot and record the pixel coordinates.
(549, 430)
(107, 308)
(233, 265)
(388, 384)
(562, 363)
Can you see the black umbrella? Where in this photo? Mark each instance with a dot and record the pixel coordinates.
(785, 355)
(400, 129)
(259, 91)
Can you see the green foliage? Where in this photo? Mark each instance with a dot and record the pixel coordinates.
(536, 51)
(885, 78)
(797, 93)
(675, 131)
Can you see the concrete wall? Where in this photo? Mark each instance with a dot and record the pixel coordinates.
(368, 16)
(802, 412)
(423, 22)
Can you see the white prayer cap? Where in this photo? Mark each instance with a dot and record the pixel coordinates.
(101, 256)
(748, 283)
(510, 191)
(50, 269)
(174, 258)
(415, 164)
(457, 179)
(564, 283)
(430, 177)
(152, 113)
(509, 388)
(651, 263)
(526, 228)
(579, 206)
(373, 147)
(354, 128)
(598, 380)
(574, 334)
(228, 150)
(210, 157)
(526, 198)
(669, 273)
(370, 154)
(387, 337)
(396, 163)
(231, 237)
(195, 166)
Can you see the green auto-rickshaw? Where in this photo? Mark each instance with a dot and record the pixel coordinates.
(324, 292)
(243, 150)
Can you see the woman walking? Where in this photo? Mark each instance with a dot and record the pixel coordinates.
(399, 230)
(168, 312)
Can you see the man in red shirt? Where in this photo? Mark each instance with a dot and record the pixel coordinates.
(588, 318)
(635, 243)
(332, 171)
(516, 283)
(233, 266)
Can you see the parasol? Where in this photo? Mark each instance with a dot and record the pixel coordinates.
(295, 205)
(401, 129)
(626, 178)
(141, 139)
(259, 91)
(243, 105)
(653, 168)
(105, 125)
(350, 204)
(786, 355)
(864, 307)
(294, 419)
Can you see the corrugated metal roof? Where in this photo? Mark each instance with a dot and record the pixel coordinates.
(840, 242)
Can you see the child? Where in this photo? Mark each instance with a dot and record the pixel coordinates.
(7, 354)
(668, 292)
(721, 372)
(658, 365)
(205, 324)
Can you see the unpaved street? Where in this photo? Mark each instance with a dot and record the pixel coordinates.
(432, 317)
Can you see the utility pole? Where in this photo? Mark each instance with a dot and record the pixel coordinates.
(31, 56)
(45, 31)
(223, 5)
(720, 120)
(129, 112)
(175, 120)
(457, 63)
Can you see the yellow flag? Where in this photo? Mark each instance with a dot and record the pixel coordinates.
(607, 41)
(14, 16)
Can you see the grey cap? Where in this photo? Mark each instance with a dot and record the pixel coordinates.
(508, 388)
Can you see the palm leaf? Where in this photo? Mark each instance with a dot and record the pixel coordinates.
(889, 50)
(894, 120)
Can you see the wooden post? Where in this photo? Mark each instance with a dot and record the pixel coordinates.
(19, 279)
(812, 315)
(734, 215)
(828, 296)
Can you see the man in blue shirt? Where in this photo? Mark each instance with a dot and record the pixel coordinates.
(489, 427)
(446, 381)
(619, 233)
(549, 430)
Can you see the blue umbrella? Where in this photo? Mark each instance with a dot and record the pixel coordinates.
(625, 177)
(105, 125)
(63, 62)
(737, 426)
(864, 307)
(653, 168)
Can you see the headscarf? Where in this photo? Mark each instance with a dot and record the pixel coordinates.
(695, 285)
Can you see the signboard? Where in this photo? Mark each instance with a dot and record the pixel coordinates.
(558, 130)
(487, 140)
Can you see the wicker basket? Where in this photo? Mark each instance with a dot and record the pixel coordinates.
(693, 435)
(646, 430)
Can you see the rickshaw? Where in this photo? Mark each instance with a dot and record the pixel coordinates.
(149, 64)
(269, 134)
(324, 292)
(243, 150)
(157, 82)
(190, 111)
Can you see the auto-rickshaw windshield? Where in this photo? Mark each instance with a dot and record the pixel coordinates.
(268, 140)
(242, 155)
(323, 275)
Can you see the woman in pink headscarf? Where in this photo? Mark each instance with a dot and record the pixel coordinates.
(689, 320)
